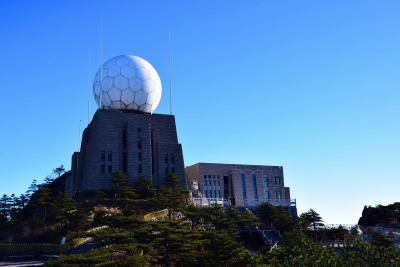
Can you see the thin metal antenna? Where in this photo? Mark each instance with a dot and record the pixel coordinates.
(170, 71)
(89, 85)
(79, 136)
(101, 61)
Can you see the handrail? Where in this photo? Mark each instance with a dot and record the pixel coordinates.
(202, 201)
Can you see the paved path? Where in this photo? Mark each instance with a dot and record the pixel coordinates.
(20, 263)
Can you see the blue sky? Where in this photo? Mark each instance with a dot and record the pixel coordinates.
(310, 85)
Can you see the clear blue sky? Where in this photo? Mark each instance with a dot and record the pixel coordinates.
(310, 85)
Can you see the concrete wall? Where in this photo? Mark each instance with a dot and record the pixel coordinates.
(275, 176)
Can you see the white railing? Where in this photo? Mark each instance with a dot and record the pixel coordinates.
(206, 202)
(274, 202)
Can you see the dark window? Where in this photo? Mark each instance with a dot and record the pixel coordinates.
(166, 171)
(243, 178)
(124, 139)
(102, 168)
(204, 176)
(206, 193)
(140, 168)
(109, 168)
(173, 169)
(109, 156)
(139, 144)
(266, 184)
(172, 159)
(140, 156)
(205, 180)
(166, 159)
(277, 180)
(103, 156)
(226, 187)
(255, 191)
(124, 162)
(139, 130)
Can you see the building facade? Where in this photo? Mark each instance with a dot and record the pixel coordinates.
(238, 185)
(137, 143)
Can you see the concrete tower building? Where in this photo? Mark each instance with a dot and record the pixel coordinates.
(124, 134)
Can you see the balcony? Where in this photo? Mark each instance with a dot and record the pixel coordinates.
(207, 202)
(274, 202)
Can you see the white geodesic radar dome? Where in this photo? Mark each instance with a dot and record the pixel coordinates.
(127, 82)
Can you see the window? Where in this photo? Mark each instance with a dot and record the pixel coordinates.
(166, 159)
(140, 156)
(255, 192)
(206, 193)
(226, 186)
(172, 159)
(173, 169)
(105, 165)
(140, 168)
(243, 178)
(265, 184)
(139, 130)
(219, 194)
(124, 162)
(166, 170)
(278, 195)
(139, 144)
(277, 180)
(219, 182)
(205, 180)
(124, 139)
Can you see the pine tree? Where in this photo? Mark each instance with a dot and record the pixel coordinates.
(119, 180)
(59, 170)
(32, 189)
(41, 199)
(276, 216)
(312, 218)
(5, 207)
(144, 188)
(173, 181)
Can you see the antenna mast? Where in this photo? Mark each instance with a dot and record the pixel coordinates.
(79, 136)
(170, 71)
(89, 76)
(101, 61)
